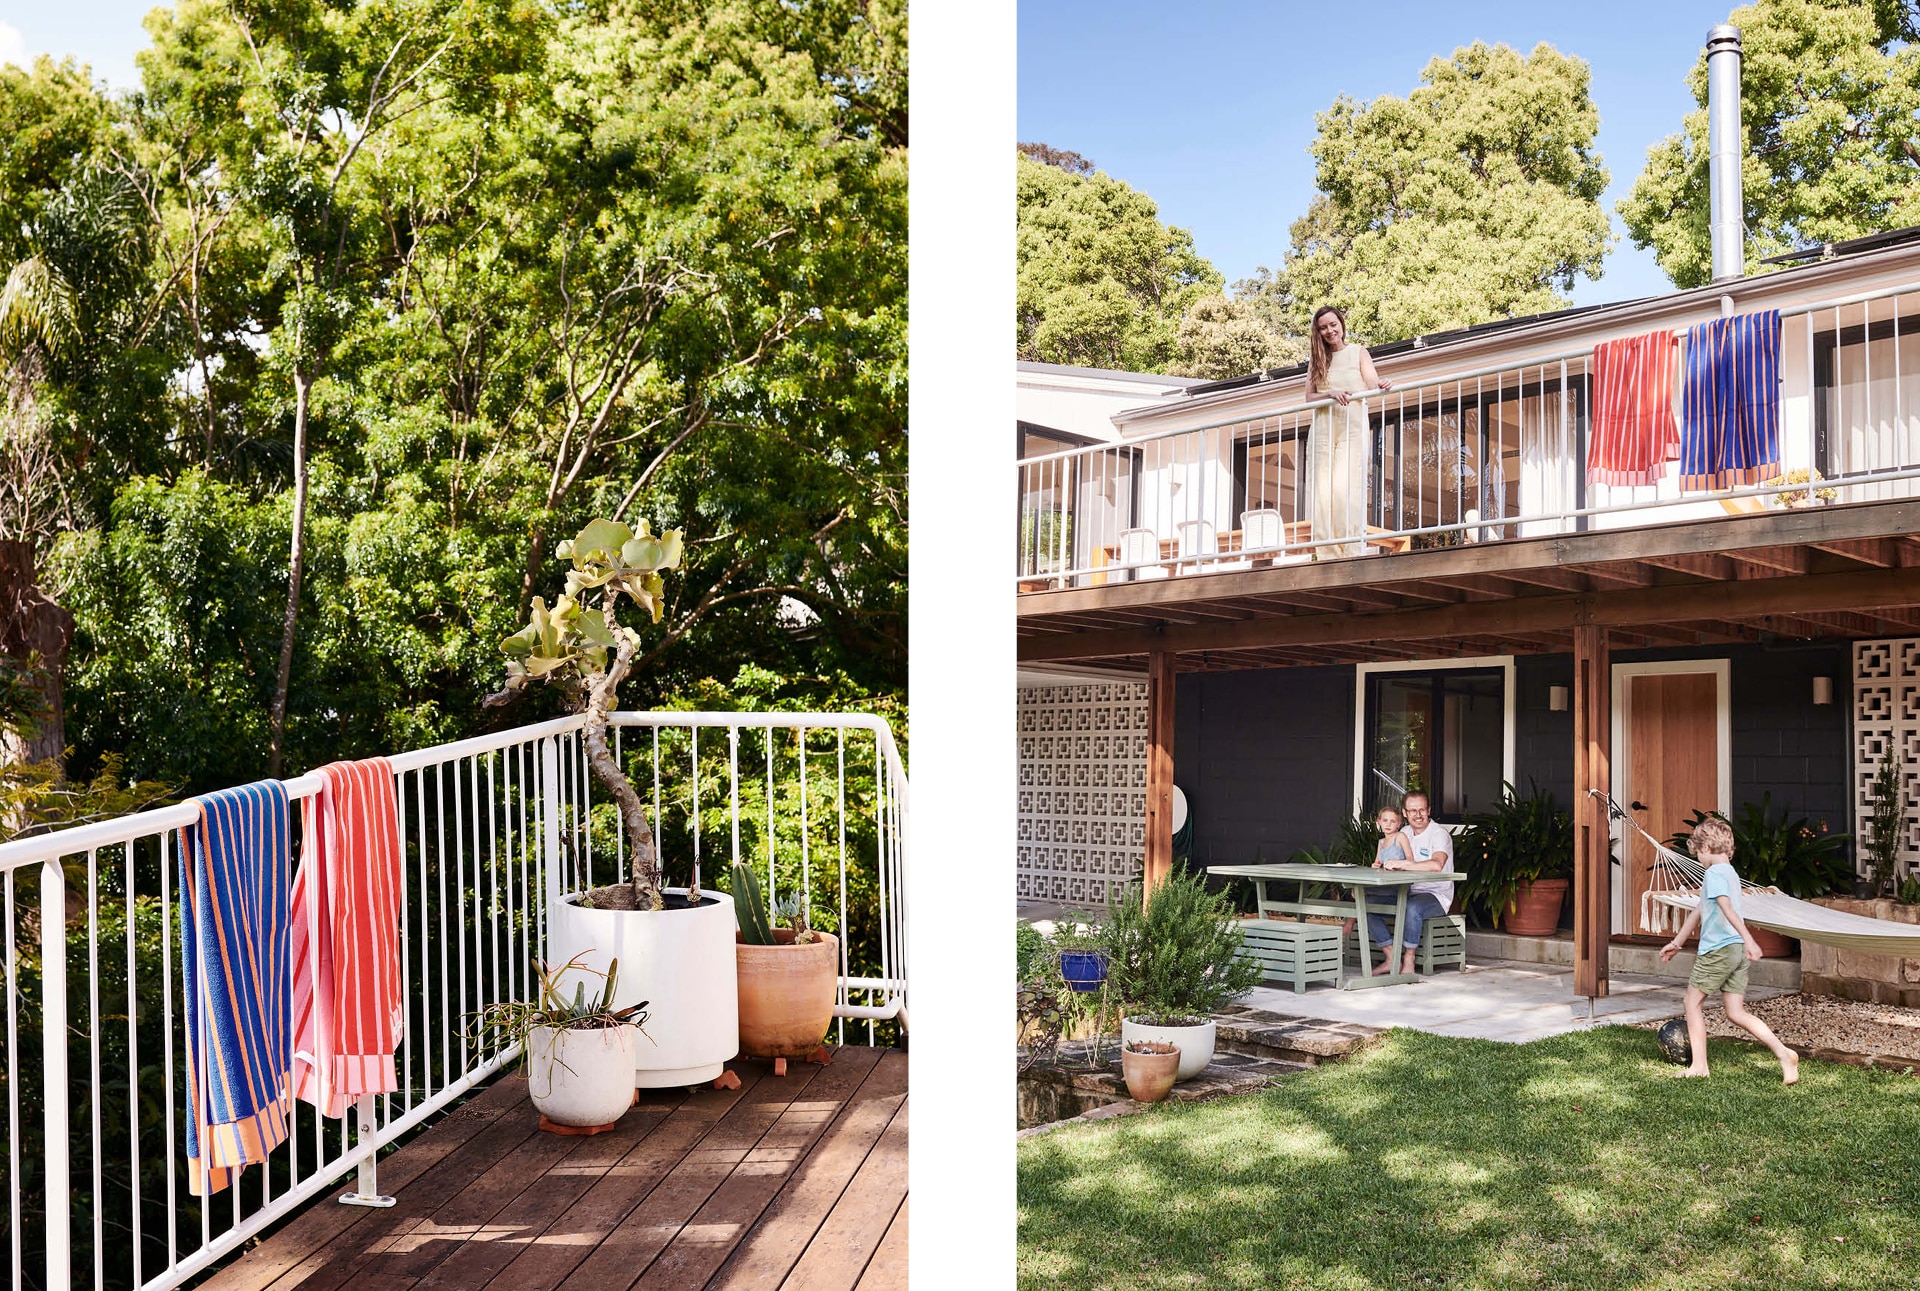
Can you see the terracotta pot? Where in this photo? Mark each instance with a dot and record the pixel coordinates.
(1195, 1043)
(786, 994)
(1149, 1074)
(1772, 944)
(1535, 909)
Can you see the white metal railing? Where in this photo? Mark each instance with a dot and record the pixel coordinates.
(493, 829)
(1479, 456)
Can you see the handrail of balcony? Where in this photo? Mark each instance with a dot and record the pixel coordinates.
(1448, 378)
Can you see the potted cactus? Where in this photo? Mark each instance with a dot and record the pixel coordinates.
(679, 939)
(787, 975)
(577, 1054)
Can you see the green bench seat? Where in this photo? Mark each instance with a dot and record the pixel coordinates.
(1290, 952)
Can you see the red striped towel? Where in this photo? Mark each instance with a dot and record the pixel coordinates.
(1634, 433)
(345, 918)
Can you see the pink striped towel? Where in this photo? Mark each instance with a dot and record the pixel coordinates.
(345, 937)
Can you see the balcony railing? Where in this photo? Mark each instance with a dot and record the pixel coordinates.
(494, 829)
(1480, 456)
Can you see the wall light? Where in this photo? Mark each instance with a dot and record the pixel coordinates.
(1557, 698)
(1823, 690)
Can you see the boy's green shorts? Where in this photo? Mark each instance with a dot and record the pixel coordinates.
(1721, 969)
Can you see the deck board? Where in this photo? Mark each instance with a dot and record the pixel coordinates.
(794, 1181)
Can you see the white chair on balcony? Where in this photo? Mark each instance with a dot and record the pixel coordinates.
(1140, 552)
(1263, 535)
(1198, 538)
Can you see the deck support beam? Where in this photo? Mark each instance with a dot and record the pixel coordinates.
(1159, 853)
(1592, 769)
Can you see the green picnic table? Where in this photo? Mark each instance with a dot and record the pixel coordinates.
(1358, 877)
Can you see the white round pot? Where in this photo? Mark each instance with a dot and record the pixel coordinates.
(1195, 1043)
(582, 1077)
(680, 961)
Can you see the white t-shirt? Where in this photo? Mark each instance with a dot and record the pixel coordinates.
(1434, 838)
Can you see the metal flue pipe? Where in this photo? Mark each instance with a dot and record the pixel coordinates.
(1728, 221)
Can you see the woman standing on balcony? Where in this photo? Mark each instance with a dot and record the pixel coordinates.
(1338, 444)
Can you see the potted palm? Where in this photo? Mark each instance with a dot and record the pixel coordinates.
(681, 939)
(1518, 858)
(577, 1054)
(787, 974)
(1175, 960)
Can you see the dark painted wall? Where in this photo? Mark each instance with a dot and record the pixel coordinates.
(1266, 758)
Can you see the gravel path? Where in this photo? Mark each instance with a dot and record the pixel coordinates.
(1823, 1022)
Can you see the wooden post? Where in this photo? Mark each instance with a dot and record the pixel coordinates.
(1159, 853)
(1592, 769)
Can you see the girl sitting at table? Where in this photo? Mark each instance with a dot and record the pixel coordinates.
(1393, 850)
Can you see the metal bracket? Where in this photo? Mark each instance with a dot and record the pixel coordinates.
(361, 1199)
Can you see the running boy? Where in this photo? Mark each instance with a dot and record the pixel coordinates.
(1725, 948)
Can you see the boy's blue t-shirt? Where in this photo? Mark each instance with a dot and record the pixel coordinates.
(1715, 931)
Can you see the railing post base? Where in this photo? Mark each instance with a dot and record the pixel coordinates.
(369, 1191)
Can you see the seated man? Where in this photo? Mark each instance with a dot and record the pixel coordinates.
(1432, 850)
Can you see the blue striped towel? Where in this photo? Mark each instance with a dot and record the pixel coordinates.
(233, 950)
(1730, 424)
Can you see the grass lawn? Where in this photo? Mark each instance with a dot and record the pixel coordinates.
(1427, 1161)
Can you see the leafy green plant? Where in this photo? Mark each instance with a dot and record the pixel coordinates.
(514, 1021)
(1030, 946)
(1780, 852)
(588, 653)
(1516, 842)
(1179, 952)
(1909, 891)
(1883, 838)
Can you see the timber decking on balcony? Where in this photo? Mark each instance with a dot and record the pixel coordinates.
(797, 1182)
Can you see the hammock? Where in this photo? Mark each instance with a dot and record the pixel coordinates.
(1674, 889)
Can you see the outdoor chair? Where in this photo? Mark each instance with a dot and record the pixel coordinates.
(1197, 538)
(1140, 550)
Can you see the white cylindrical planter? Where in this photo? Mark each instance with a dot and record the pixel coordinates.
(680, 961)
(1195, 1043)
(582, 1077)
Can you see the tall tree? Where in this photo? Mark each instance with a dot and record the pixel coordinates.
(1475, 197)
(1102, 282)
(1830, 125)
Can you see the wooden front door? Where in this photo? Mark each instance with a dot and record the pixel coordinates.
(1671, 767)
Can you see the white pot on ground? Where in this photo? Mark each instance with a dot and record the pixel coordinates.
(582, 1077)
(1195, 1043)
(680, 961)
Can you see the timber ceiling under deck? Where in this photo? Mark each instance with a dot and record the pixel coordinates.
(1836, 572)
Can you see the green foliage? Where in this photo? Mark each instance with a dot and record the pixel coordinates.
(1475, 197)
(513, 1022)
(1783, 851)
(1514, 843)
(1889, 811)
(1030, 947)
(1180, 953)
(1102, 282)
(1828, 94)
(1909, 890)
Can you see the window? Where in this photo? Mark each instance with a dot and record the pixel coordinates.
(1441, 733)
(1866, 395)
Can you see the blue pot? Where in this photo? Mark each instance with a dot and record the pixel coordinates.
(1083, 969)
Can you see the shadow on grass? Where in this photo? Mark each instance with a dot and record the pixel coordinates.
(1573, 1162)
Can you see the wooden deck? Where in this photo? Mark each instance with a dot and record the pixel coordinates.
(787, 1182)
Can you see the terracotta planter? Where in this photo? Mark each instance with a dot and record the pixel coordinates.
(1535, 909)
(1772, 944)
(1149, 1074)
(1195, 1043)
(786, 994)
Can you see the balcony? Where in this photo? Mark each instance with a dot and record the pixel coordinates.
(1495, 455)
(494, 830)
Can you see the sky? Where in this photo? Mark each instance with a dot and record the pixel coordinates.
(100, 33)
(1208, 107)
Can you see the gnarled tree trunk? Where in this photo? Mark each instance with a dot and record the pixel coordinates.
(32, 624)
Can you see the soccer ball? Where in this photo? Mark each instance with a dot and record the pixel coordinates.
(1674, 1045)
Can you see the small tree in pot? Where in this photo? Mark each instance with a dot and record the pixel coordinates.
(681, 941)
(586, 652)
(1175, 960)
(1518, 859)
